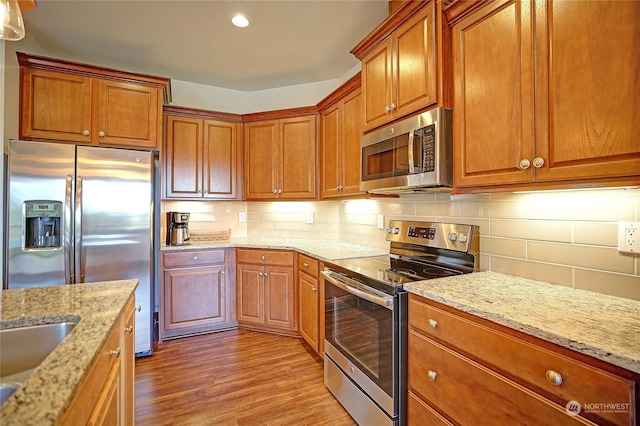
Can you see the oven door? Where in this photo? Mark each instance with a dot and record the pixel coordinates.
(359, 337)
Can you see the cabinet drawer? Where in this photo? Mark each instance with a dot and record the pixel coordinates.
(419, 413)
(265, 257)
(193, 258)
(524, 360)
(446, 379)
(308, 265)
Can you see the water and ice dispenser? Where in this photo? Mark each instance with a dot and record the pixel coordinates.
(42, 224)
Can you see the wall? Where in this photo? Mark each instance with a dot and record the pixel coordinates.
(563, 237)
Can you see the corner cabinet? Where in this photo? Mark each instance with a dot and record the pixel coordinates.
(64, 101)
(265, 289)
(201, 154)
(533, 108)
(503, 375)
(196, 296)
(403, 68)
(280, 158)
(106, 397)
(340, 133)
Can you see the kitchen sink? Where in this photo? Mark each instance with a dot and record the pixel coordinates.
(22, 349)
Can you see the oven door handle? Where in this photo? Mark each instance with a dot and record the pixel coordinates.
(384, 301)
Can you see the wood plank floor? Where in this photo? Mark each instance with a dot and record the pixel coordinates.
(235, 377)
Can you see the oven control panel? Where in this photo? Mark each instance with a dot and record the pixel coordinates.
(421, 232)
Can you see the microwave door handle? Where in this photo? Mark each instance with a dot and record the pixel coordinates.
(412, 164)
(385, 302)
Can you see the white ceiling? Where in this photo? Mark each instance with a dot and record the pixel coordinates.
(287, 43)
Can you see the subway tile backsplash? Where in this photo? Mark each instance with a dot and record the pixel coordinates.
(563, 237)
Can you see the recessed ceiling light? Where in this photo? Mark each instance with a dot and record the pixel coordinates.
(240, 20)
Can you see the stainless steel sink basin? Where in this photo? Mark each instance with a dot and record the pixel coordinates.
(22, 349)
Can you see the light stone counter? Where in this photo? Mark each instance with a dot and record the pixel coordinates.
(325, 250)
(44, 397)
(604, 327)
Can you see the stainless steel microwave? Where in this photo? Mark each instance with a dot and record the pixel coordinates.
(411, 155)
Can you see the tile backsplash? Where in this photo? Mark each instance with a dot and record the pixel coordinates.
(562, 237)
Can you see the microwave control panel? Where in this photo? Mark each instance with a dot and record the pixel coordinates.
(429, 147)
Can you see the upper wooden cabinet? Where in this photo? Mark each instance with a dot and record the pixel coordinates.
(341, 129)
(403, 69)
(534, 107)
(201, 155)
(280, 158)
(69, 102)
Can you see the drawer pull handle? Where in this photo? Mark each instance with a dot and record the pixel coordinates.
(306, 265)
(129, 329)
(115, 353)
(432, 375)
(432, 323)
(554, 377)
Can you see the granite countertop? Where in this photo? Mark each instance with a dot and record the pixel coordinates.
(601, 326)
(325, 250)
(45, 395)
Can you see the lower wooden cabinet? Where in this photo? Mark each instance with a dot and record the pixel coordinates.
(106, 397)
(309, 300)
(463, 370)
(196, 296)
(265, 290)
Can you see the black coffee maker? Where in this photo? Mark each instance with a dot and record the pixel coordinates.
(177, 228)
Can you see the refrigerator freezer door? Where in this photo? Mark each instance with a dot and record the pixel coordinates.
(114, 229)
(38, 171)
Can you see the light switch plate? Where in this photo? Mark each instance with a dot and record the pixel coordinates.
(629, 237)
(380, 221)
(310, 218)
(242, 217)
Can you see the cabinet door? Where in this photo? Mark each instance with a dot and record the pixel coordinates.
(107, 408)
(55, 106)
(127, 360)
(414, 63)
(587, 109)
(260, 159)
(350, 147)
(219, 160)
(309, 327)
(194, 297)
(493, 91)
(183, 153)
(278, 298)
(331, 152)
(128, 114)
(250, 293)
(297, 157)
(376, 86)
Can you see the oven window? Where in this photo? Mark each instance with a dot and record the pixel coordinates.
(362, 332)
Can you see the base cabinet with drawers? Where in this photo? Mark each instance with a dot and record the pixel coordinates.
(464, 370)
(196, 296)
(106, 397)
(265, 290)
(309, 300)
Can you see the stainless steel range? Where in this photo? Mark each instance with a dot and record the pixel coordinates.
(365, 363)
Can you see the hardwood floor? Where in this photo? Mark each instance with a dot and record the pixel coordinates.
(235, 377)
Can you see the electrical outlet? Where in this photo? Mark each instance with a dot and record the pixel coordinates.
(310, 218)
(629, 237)
(380, 221)
(242, 217)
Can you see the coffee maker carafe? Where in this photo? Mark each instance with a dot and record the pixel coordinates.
(177, 228)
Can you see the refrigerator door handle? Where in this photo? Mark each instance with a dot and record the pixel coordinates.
(78, 265)
(68, 248)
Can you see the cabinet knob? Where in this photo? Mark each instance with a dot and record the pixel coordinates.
(195, 258)
(313, 289)
(306, 265)
(139, 308)
(101, 134)
(538, 162)
(85, 132)
(275, 191)
(263, 257)
(387, 110)
(340, 187)
(392, 107)
(221, 272)
(260, 274)
(432, 323)
(279, 191)
(129, 329)
(266, 274)
(115, 353)
(554, 377)
(431, 375)
(524, 164)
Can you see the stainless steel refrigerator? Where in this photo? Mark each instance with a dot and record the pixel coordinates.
(79, 214)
